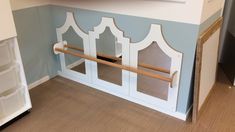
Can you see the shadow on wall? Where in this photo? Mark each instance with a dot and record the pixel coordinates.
(228, 55)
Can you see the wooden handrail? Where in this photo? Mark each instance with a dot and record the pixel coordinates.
(159, 69)
(142, 72)
(98, 54)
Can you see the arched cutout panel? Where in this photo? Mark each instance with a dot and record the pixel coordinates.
(106, 45)
(155, 35)
(94, 36)
(75, 66)
(129, 61)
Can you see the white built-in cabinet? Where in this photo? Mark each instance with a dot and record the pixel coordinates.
(14, 95)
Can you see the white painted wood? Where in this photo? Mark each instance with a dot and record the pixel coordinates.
(93, 36)
(129, 58)
(155, 34)
(209, 66)
(118, 48)
(70, 22)
(7, 25)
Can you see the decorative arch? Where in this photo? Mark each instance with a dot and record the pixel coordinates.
(155, 35)
(128, 90)
(109, 22)
(71, 22)
(95, 34)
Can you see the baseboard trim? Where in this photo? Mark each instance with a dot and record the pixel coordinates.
(38, 82)
(76, 63)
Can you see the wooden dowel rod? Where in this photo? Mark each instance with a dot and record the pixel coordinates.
(154, 68)
(117, 65)
(119, 59)
(98, 54)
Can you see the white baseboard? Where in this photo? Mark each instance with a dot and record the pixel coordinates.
(38, 82)
(76, 63)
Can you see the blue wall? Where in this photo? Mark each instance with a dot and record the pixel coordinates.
(36, 34)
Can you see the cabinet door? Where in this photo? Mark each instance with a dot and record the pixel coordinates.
(7, 26)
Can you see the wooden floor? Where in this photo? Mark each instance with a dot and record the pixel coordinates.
(61, 105)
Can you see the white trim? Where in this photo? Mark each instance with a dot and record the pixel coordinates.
(155, 34)
(76, 63)
(119, 35)
(128, 90)
(70, 22)
(38, 82)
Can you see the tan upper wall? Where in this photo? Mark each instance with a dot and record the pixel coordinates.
(210, 7)
(21, 4)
